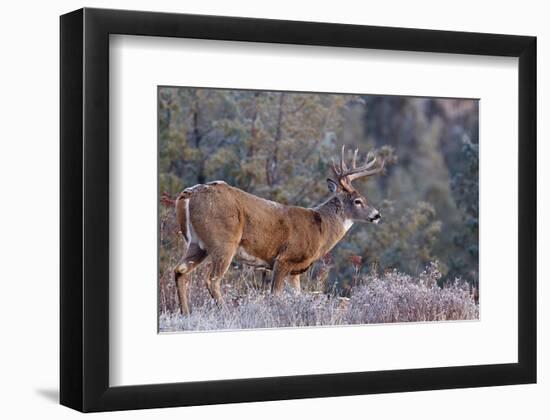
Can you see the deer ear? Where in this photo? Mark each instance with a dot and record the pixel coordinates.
(332, 186)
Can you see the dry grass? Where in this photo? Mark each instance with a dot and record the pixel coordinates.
(391, 297)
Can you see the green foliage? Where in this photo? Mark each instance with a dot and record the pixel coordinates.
(405, 242)
(465, 187)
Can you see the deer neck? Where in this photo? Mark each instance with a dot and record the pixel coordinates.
(334, 222)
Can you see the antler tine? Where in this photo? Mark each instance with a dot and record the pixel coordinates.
(369, 156)
(354, 161)
(366, 170)
(335, 169)
(368, 164)
(346, 176)
(343, 165)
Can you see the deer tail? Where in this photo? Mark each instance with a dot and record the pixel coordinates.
(182, 205)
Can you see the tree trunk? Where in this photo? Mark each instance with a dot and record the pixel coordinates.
(271, 163)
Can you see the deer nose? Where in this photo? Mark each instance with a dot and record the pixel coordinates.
(375, 218)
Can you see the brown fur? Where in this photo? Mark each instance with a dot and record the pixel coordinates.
(226, 222)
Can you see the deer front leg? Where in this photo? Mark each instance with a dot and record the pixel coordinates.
(294, 281)
(280, 271)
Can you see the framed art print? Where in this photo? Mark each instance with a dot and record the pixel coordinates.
(258, 209)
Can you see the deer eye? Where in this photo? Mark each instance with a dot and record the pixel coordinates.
(358, 202)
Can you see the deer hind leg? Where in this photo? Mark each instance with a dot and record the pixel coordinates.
(220, 263)
(193, 257)
(294, 281)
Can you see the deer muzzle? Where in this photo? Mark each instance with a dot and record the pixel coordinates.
(375, 217)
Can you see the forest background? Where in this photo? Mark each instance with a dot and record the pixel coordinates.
(279, 145)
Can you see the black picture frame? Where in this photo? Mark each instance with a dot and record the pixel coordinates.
(84, 295)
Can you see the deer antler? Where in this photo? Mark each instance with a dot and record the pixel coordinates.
(346, 176)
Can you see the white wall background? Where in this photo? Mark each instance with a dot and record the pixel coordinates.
(29, 239)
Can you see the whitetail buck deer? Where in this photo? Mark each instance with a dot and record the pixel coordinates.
(224, 222)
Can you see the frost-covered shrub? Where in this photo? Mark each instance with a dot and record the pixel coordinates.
(392, 297)
(397, 297)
